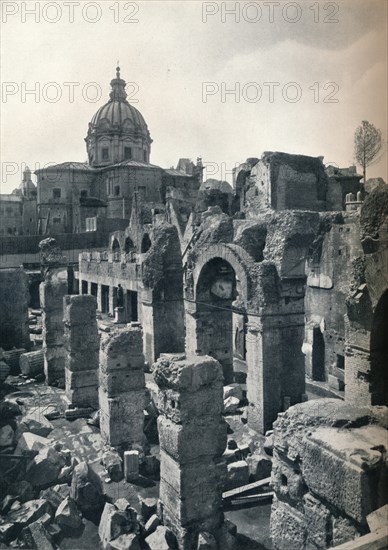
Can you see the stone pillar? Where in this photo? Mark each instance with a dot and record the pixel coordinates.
(89, 287)
(14, 309)
(99, 297)
(52, 291)
(82, 345)
(122, 387)
(112, 299)
(192, 435)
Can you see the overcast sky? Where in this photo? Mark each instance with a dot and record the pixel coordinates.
(329, 61)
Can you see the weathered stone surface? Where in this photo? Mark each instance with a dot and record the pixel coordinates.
(29, 512)
(68, 516)
(14, 309)
(129, 541)
(206, 541)
(147, 507)
(152, 524)
(231, 404)
(32, 363)
(288, 527)
(260, 466)
(131, 465)
(35, 536)
(114, 523)
(238, 474)
(161, 539)
(233, 390)
(86, 494)
(113, 464)
(56, 494)
(35, 422)
(6, 436)
(31, 442)
(45, 467)
(378, 519)
(21, 490)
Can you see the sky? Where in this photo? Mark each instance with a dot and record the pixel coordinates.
(223, 81)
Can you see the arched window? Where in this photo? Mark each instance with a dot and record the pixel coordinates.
(116, 250)
(145, 243)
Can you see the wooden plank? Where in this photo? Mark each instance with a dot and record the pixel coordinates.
(245, 488)
(252, 498)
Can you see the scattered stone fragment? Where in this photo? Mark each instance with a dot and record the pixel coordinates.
(131, 465)
(78, 412)
(56, 494)
(231, 404)
(206, 541)
(260, 467)
(113, 465)
(114, 523)
(6, 436)
(161, 539)
(45, 467)
(238, 475)
(6, 504)
(29, 442)
(29, 512)
(86, 494)
(35, 536)
(67, 516)
(152, 524)
(233, 390)
(128, 541)
(35, 422)
(22, 490)
(4, 371)
(147, 507)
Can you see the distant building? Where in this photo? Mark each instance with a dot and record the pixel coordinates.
(18, 209)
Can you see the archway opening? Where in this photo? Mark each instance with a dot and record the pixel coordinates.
(129, 246)
(145, 244)
(318, 355)
(379, 353)
(216, 291)
(116, 250)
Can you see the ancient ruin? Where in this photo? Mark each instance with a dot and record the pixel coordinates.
(205, 364)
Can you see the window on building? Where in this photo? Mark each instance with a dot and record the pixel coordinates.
(117, 190)
(145, 156)
(84, 193)
(105, 153)
(56, 193)
(127, 153)
(56, 220)
(9, 230)
(340, 361)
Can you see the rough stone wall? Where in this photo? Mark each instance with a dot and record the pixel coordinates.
(329, 272)
(366, 321)
(81, 344)
(329, 472)
(122, 387)
(14, 299)
(51, 291)
(192, 435)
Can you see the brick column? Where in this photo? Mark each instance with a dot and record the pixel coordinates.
(192, 435)
(122, 387)
(52, 291)
(82, 345)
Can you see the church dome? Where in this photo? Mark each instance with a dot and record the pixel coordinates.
(122, 126)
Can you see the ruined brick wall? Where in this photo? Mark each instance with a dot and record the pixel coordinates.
(192, 435)
(329, 472)
(122, 387)
(81, 342)
(14, 297)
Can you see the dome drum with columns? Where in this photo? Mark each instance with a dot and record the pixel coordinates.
(118, 131)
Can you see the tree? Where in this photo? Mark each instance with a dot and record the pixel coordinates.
(367, 145)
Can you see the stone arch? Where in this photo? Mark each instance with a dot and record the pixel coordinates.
(145, 243)
(379, 352)
(217, 302)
